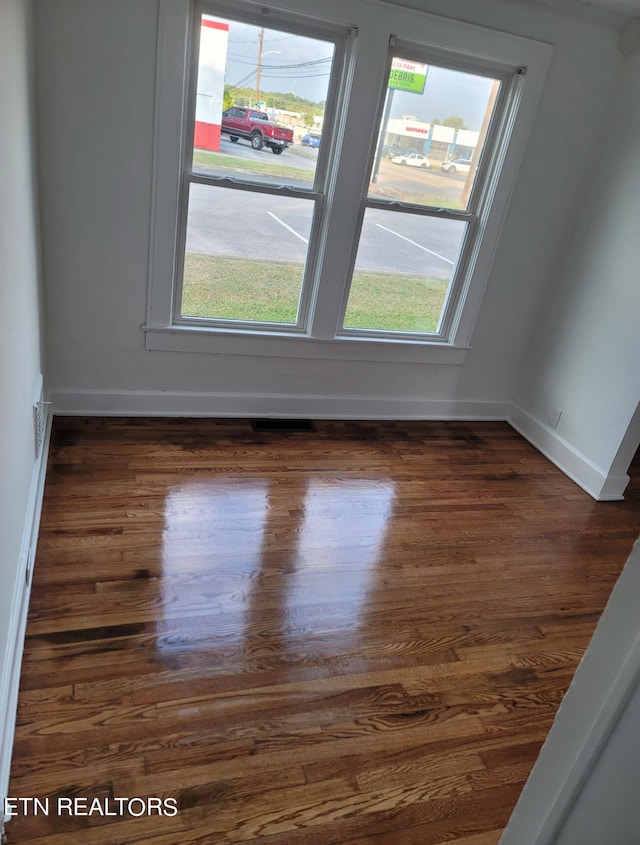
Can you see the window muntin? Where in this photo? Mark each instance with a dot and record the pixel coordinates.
(247, 172)
(421, 206)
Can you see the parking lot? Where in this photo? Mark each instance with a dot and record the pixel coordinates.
(262, 226)
(389, 176)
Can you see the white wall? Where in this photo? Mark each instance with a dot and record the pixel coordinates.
(20, 365)
(95, 100)
(584, 355)
(584, 787)
(607, 809)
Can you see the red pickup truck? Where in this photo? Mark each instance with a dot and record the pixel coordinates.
(255, 126)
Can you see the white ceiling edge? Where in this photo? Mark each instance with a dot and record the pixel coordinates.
(624, 7)
(611, 13)
(614, 13)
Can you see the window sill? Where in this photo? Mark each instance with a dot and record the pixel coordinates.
(226, 342)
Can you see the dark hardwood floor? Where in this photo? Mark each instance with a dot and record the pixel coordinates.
(356, 635)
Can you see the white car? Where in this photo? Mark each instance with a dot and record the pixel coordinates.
(413, 160)
(458, 165)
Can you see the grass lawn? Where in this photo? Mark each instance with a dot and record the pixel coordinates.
(273, 166)
(239, 289)
(274, 169)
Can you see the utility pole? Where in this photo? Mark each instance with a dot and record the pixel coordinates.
(475, 157)
(260, 40)
(383, 134)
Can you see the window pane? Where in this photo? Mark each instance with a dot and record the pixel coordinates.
(433, 130)
(245, 255)
(260, 91)
(403, 271)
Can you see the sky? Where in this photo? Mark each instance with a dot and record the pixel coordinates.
(290, 63)
(298, 65)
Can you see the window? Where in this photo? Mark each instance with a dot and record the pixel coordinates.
(421, 208)
(334, 190)
(251, 219)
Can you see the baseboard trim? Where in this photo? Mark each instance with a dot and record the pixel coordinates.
(191, 404)
(10, 681)
(593, 479)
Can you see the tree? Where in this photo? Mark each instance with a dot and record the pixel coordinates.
(454, 122)
(274, 99)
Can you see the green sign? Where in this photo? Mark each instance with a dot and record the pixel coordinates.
(408, 76)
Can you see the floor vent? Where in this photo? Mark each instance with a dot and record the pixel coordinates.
(282, 425)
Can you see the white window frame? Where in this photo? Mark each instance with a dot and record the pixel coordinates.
(317, 193)
(355, 130)
(480, 199)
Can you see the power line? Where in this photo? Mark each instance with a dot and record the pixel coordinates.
(295, 76)
(288, 66)
(254, 40)
(248, 78)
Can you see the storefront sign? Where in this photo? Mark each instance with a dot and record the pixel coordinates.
(407, 76)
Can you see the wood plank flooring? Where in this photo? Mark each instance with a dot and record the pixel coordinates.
(356, 635)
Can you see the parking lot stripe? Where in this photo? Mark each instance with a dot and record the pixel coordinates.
(408, 240)
(288, 228)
